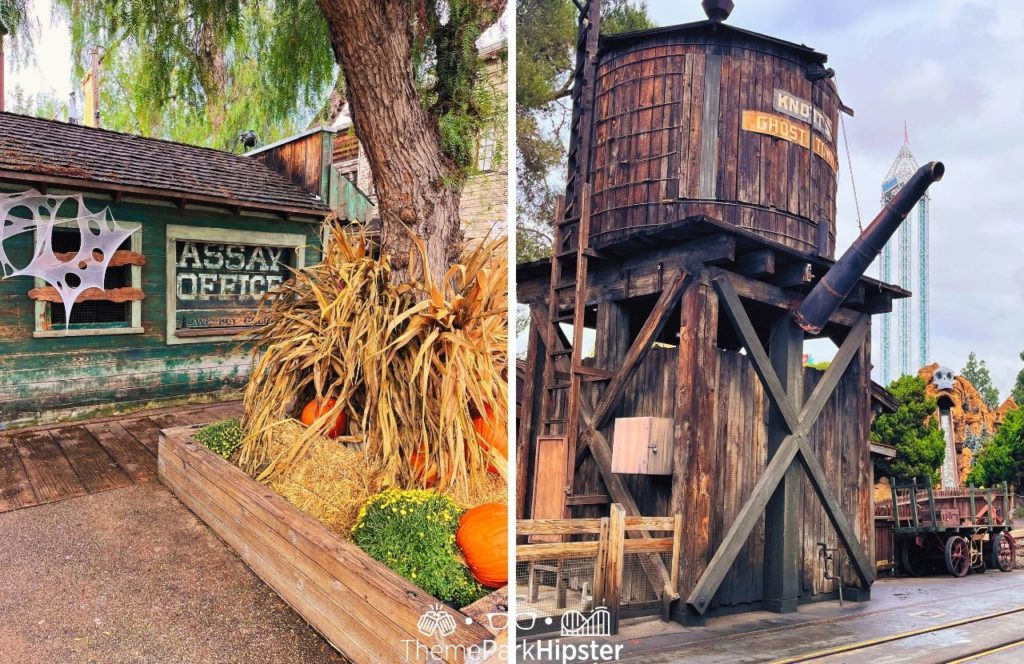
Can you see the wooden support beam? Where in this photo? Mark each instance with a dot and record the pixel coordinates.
(777, 297)
(615, 563)
(530, 410)
(601, 451)
(579, 314)
(780, 463)
(759, 263)
(652, 327)
(762, 365)
(793, 275)
(696, 422)
(641, 273)
(700, 596)
(862, 564)
(117, 295)
(827, 385)
(782, 527)
(588, 499)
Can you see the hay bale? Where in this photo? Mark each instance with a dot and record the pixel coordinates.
(330, 480)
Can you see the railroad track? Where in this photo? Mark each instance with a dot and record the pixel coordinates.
(866, 648)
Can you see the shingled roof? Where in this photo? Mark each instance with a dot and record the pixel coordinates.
(66, 154)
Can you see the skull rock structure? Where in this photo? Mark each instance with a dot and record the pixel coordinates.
(964, 417)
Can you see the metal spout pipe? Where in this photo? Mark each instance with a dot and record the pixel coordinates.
(828, 295)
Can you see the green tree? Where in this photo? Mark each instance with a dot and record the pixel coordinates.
(1002, 459)
(913, 431)
(546, 42)
(977, 373)
(216, 71)
(411, 75)
(1018, 388)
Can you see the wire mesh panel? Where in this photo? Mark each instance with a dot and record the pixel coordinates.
(552, 587)
(583, 567)
(640, 576)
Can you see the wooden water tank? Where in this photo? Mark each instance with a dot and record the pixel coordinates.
(705, 118)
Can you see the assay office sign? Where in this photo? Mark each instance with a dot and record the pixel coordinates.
(218, 285)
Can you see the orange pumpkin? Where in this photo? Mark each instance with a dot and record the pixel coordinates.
(483, 539)
(313, 411)
(489, 437)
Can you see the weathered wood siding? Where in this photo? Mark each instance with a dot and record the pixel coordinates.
(668, 142)
(735, 463)
(305, 160)
(46, 380)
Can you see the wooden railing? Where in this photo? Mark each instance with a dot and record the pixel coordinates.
(608, 550)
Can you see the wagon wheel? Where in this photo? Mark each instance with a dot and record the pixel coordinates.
(958, 556)
(1003, 554)
(912, 556)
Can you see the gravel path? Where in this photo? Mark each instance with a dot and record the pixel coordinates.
(131, 575)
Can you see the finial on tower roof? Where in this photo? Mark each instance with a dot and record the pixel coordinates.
(717, 10)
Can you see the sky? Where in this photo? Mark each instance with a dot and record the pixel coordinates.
(50, 68)
(950, 69)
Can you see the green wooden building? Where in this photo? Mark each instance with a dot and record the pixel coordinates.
(215, 231)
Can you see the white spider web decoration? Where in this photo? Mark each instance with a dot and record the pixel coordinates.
(30, 211)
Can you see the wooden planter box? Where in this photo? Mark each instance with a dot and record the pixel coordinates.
(366, 611)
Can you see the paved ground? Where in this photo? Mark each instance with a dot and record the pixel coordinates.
(898, 606)
(130, 575)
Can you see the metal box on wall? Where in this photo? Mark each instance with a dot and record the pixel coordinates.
(643, 445)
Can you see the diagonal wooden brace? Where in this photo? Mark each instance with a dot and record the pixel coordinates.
(652, 327)
(653, 566)
(795, 444)
(759, 358)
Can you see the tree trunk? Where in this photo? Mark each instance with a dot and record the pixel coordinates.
(418, 193)
(213, 77)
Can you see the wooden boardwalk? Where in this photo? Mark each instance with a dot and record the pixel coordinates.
(46, 464)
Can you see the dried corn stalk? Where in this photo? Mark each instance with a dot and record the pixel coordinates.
(408, 364)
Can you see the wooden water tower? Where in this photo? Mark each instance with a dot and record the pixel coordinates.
(695, 243)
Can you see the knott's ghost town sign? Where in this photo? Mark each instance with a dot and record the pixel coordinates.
(801, 109)
(218, 282)
(794, 132)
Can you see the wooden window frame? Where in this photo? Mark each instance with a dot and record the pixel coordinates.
(132, 326)
(295, 241)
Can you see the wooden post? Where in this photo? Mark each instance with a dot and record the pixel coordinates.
(616, 559)
(782, 515)
(1006, 503)
(672, 588)
(536, 353)
(601, 566)
(695, 427)
(611, 343)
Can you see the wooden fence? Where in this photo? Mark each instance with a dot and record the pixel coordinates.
(609, 551)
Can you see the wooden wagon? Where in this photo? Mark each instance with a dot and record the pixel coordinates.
(959, 530)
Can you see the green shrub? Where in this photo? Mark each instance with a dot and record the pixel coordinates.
(413, 533)
(223, 438)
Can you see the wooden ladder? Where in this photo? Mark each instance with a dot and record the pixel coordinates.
(571, 247)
